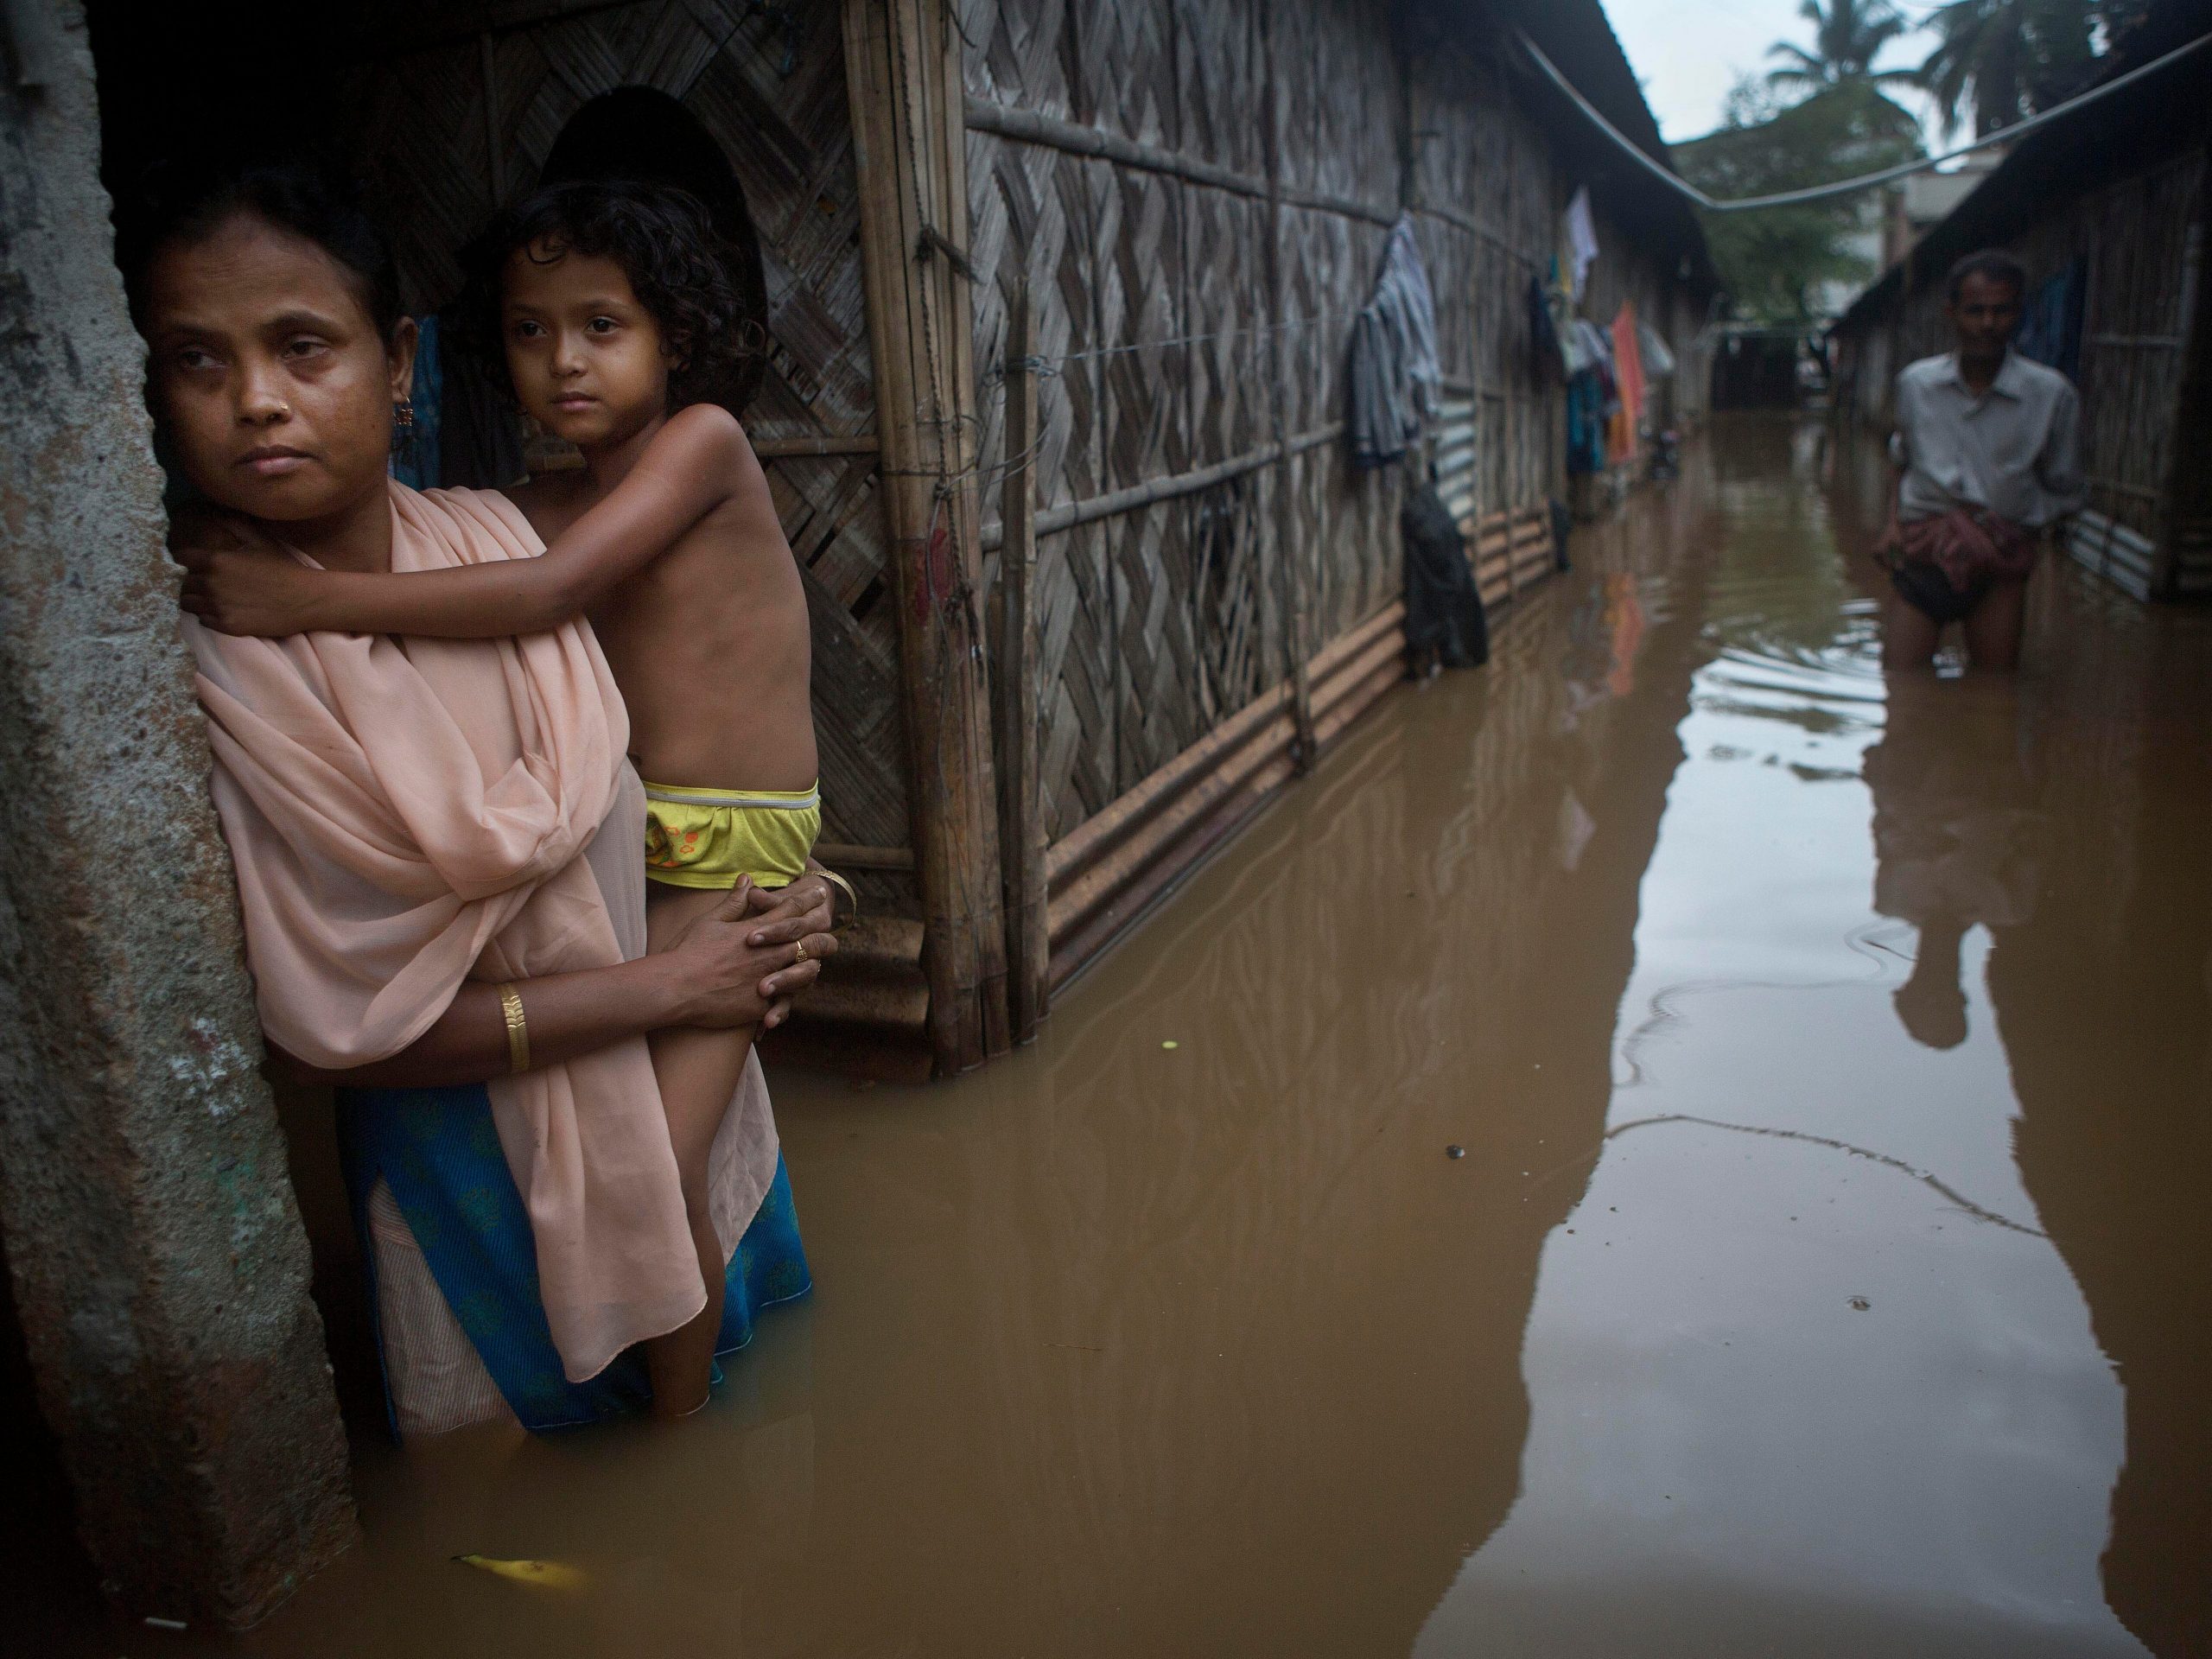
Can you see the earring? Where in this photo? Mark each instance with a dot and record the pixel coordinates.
(403, 414)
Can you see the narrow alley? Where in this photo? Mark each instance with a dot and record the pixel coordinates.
(1668, 1146)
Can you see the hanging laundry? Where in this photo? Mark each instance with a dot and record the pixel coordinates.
(1658, 360)
(1543, 335)
(1395, 370)
(1581, 232)
(1444, 607)
(2050, 328)
(1585, 422)
(1622, 435)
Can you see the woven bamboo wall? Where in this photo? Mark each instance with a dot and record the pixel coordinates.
(771, 87)
(1491, 192)
(1155, 624)
(1152, 305)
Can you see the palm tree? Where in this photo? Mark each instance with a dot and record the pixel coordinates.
(1847, 36)
(2006, 59)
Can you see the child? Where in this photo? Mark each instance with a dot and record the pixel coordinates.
(616, 314)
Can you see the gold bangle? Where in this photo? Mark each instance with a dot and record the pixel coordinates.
(851, 898)
(517, 1029)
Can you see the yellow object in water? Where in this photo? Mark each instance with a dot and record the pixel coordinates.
(549, 1575)
(710, 838)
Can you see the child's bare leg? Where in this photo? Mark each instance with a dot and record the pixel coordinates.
(698, 1072)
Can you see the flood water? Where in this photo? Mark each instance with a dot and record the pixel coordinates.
(1827, 1273)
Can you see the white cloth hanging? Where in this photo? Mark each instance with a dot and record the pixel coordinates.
(1581, 236)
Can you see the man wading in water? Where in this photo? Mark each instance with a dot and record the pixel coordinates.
(1988, 445)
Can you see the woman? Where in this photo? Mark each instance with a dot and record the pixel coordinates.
(412, 823)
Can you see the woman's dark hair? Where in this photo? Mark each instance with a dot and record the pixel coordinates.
(666, 245)
(299, 196)
(641, 133)
(1994, 263)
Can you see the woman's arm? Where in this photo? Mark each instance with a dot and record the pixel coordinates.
(692, 466)
(724, 970)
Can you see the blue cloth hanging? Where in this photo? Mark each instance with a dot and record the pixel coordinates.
(415, 448)
(2050, 325)
(439, 1152)
(1585, 422)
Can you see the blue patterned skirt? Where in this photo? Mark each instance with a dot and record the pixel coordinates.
(440, 1154)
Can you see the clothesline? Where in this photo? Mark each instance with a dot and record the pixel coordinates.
(1842, 187)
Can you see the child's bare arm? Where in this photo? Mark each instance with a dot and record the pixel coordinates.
(691, 467)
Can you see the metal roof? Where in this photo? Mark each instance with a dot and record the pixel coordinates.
(1578, 37)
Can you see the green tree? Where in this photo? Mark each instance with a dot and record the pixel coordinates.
(1847, 39)
(1773, 261)
(2003, 59)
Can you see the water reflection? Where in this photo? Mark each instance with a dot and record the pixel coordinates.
(1808, 1374)
(2103, 995)
(1954, 834)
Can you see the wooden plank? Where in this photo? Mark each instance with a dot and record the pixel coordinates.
(841, 855)
(783, 449)
(903, 87)
(1105, 875)
(1114, 503)
(1021, 812)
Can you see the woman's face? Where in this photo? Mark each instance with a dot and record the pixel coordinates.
(268, 375)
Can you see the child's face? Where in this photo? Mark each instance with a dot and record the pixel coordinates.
(587, 359)
(268, 375)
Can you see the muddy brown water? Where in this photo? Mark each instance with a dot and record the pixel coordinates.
(1827, 1271)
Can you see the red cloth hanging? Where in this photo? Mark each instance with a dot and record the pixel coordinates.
(1621, 433)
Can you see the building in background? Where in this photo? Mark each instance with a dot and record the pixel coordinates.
(1915, 205)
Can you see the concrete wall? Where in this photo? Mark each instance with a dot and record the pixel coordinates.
(159, 1266)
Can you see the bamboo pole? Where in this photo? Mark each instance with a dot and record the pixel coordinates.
(776, 449)
(1049, 132)
(1135, 496)
(902, 82)
(1022, 806)
(1297, 631)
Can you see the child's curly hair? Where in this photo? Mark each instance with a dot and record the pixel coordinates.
(667, 246)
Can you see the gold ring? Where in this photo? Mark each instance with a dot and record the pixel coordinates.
(801, 947)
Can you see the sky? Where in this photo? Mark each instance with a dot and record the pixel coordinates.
(1689, 53)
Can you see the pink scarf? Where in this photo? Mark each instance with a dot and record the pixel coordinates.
(406, 815)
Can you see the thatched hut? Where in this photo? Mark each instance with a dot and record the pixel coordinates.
(1190, 200)
(1057, 300)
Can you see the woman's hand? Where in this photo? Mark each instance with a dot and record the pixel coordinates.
(729, 972)
(805, 910)
(238, 580)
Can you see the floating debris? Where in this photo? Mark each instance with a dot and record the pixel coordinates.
(548, 1575)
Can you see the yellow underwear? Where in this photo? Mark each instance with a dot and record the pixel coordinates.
(710, 838)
